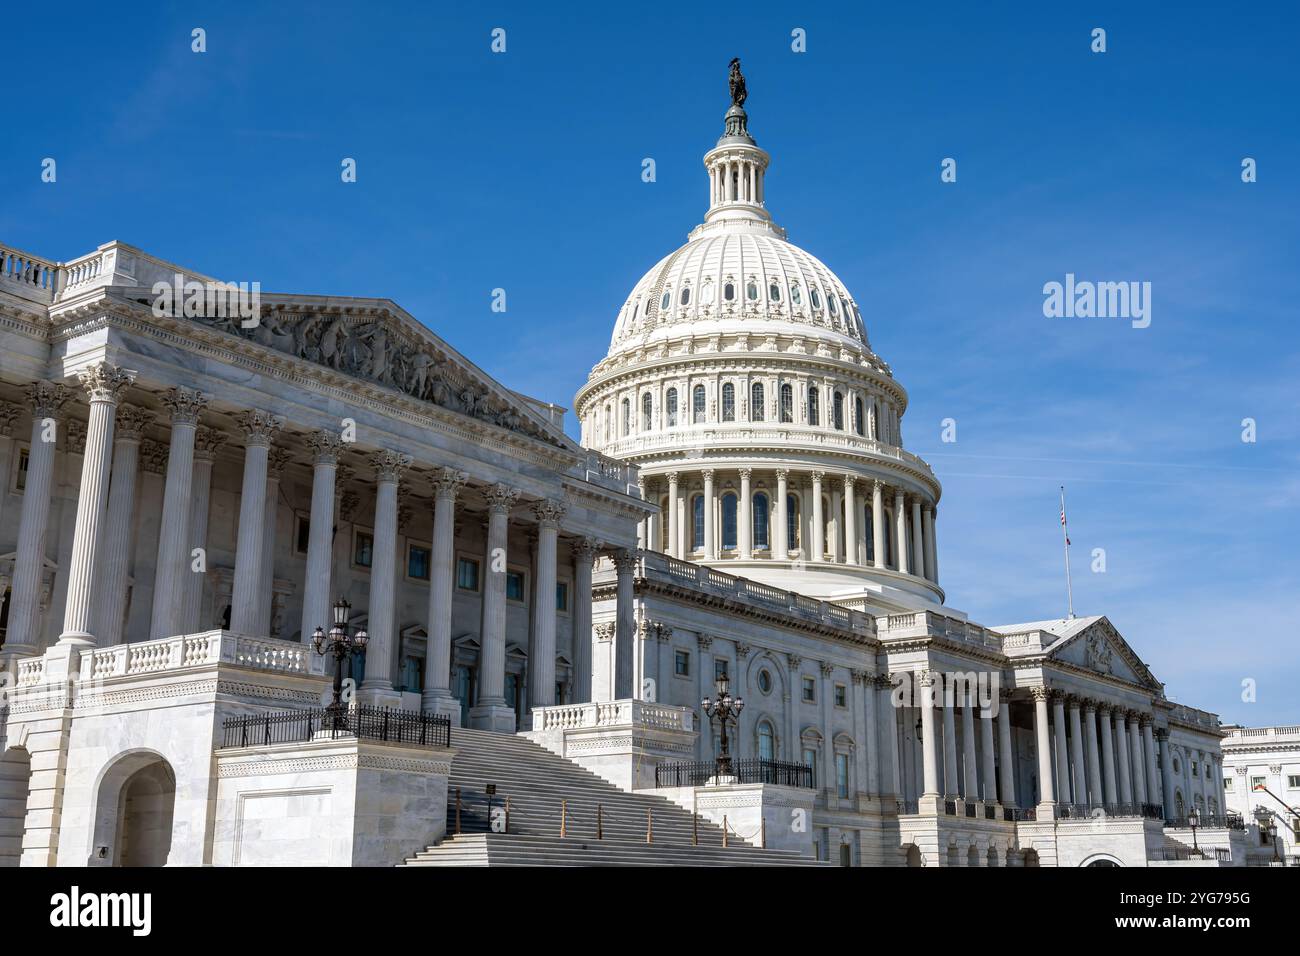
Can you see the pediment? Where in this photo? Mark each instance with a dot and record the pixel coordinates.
(377, 342)
(1100, 648)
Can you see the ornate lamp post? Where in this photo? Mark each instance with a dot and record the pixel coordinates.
(1194, 821)
(726, 709)
(1272, 838)
(344, 645)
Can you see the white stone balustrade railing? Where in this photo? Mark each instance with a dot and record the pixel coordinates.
(1259, 735)
(185, 651)
(929, 623)
(614, 713)
(612, 473)
(33, 276)
(31, 671)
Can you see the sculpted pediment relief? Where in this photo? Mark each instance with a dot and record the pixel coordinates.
(380, 350)
(1100, 649)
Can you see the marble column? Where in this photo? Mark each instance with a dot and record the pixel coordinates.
(710, 521)
(437, 697)
(584, 553)
(745, 517)
(1166, 774)
(317, 581)
(654, 530)
(1006, 756)
(207, 441)
(1139, 771)
(1062, 789)
(989, 791)
(866, 692)
(850, 523)
(890, 784)
(900, 530)
(970, 790)
(258, 428)
(930, 768)
(951, 782)
(491, 712)
(377, 688)
(46, 400)
(817, 540)
(931, 549)
(878, 556)
(9, 413)
(1122, 760)
(1096, 795)
(104, 385)
(276, 458)
(1078, 773)
(674, 534)
(624, 625)
(541, 655)
(115, 554)
(1109, 780)
(1149, 752)
(779, 536)
(174, 559)
(918, 539)
(1043, 745)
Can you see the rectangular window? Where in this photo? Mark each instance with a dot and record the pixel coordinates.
(1227, 785)
(417, 562)
(20, 473)
(841, 696)
(562, 596)
(810, 761)
(515, 585)
(809, 690)
(719, 670)
(363, 549)
(1293, 781)
(842, 775)
(301, 534)
(682, 664)
(467, 574)
(1256, 782)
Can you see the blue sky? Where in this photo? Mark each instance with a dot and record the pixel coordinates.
(522, 171)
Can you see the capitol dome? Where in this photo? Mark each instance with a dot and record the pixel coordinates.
(741, 380)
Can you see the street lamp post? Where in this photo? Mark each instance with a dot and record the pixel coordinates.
(1272, 838)
(725, 709)
(343, 644)
(1194, 820)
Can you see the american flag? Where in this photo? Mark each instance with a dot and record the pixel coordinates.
(1063, 526)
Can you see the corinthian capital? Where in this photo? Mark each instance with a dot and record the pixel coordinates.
(549, 513)
(584, 549)
(185, 404)
(259, 427)
(325, 447)
(9, 413)
(448, 482)
(501, 498)
(207, 442)
(103, 382)
(47, 399)
(132, 420)
(276, 459)
(624, 560)
(389, 465)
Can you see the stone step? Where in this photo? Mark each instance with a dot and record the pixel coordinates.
(497, 849)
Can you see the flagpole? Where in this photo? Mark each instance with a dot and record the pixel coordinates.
(1065, 538)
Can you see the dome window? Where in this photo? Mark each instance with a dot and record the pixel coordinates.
(627, 418)
(647, 412)
(728, 402)
(697, 404)
(814, 413)
(787, 403)
(859, 425)
(667, 301)
(816, 299)
(796, 295)
(686, 295)
(756, 402)
(751, 292)
(837, 409)
(729, 522)
(672, 407)
(706, 294)
(834, 304)
(729, 291)
(760, 521)
(774, 292)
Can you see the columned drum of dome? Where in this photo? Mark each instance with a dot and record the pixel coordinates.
(761, 408)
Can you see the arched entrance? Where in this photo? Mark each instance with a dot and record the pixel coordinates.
(134, 809)
(15, 778)
(1102, 860)
(913, 855)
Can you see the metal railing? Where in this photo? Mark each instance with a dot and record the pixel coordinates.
(696, 773)
(367, 722)
(1170, 854)
(1229, 821)
(1019, 814)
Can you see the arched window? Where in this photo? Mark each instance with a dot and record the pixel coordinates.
(791, 523)
(766, 741)
(756, 402)
(627, 417)
(697, 523)
(664, 505)
(868, 522)
(647, 412)
(787, 403)
(751, 291)
(774, 292)
(816, 299)
(729, 291)
(729, 521)
(607, 423)
(686, 295)
(728, 402)
(858, 424)
(796, 296)
(672, 408)
(760, 520)
(837, 409)
(697, 404)
(667, 301)
(814, 413)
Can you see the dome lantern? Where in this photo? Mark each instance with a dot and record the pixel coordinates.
(736, 166)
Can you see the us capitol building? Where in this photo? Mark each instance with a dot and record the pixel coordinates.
(203, 517)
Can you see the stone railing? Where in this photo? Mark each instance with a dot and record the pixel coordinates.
(1261, 735)
(199, 650)
(655, 566)
(31, 671)
(1193, 717)
(612, 473)
(612, 713)
(28, 275)
(931, 624)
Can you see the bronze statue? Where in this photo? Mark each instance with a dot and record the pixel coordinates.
(737, 83)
